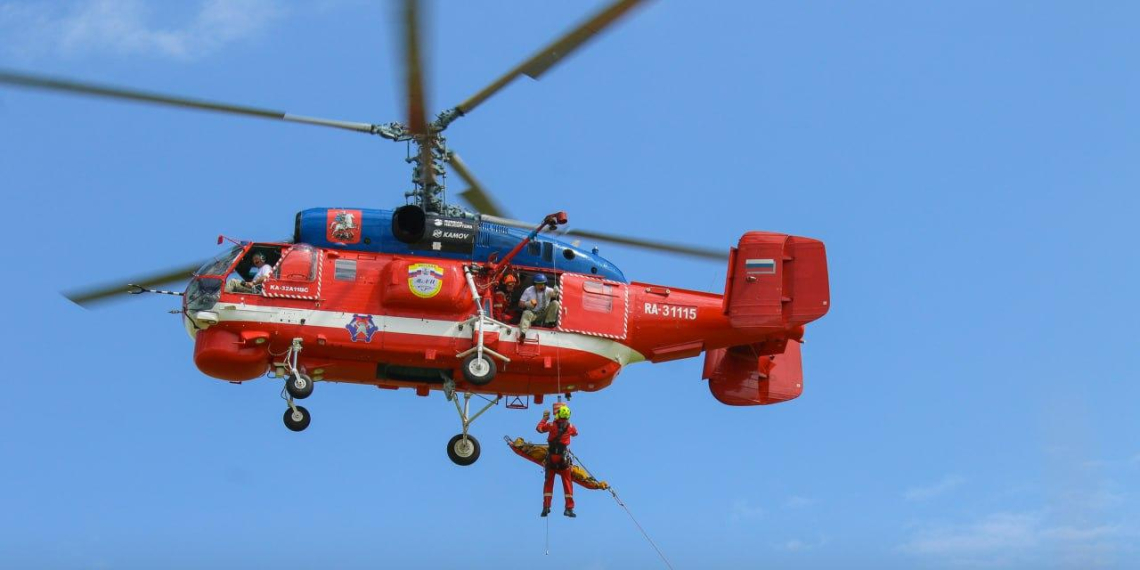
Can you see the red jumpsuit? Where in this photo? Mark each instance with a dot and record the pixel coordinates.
(501, 306)
(555, 462)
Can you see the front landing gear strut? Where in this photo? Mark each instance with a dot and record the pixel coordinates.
(463, 449)
(297, 386)
(478, 368)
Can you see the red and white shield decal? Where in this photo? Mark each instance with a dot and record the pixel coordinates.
(343, 226)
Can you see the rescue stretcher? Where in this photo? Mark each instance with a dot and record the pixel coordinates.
(536, 453)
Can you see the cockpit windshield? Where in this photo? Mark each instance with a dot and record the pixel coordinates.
(221, 262)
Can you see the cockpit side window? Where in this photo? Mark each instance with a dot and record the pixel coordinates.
(249, 276)
(245, 268)
(220, 263)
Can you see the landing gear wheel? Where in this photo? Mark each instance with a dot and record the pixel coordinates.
(299, 386)
(478, 370)
(298, 420)
(463, 452)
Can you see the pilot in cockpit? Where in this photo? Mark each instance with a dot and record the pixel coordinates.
(253, 285)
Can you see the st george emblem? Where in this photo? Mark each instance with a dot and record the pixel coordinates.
(361, 328)
(425, 279)
(344, 226)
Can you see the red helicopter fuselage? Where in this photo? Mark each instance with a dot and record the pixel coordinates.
(405, 321)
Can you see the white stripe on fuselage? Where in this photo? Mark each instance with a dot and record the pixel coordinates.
(242, 313)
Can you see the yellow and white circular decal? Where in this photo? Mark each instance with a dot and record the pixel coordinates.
(425, 279)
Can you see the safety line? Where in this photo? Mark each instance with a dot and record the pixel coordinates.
(645, 534)
(627, 511)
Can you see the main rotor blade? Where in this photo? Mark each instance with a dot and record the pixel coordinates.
(414, 80)
(476, 195)
(652, 245)
(413, 68)
(117, 291)
(68, 86)
(550, 55)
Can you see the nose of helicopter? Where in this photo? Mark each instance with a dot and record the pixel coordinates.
(187, 322)
(198, 301)
(190, 328)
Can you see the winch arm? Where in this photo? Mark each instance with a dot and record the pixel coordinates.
(551, 220)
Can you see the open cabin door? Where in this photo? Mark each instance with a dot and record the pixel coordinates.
(297, 275)
(594, 306)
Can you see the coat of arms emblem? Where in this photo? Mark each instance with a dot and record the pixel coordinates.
(344, 226)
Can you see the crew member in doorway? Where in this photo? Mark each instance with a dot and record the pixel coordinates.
(539, 304)
(501, 306)
(558, 437)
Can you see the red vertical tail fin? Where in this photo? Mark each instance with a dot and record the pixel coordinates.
(776, 281)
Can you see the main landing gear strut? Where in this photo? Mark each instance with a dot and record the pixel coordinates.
(298, 386)
(478, 369)
(463, 449)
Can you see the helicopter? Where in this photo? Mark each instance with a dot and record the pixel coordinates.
(404, 298)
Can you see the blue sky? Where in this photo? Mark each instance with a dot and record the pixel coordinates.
(969, 401)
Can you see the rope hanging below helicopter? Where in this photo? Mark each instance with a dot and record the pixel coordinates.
(536, 453)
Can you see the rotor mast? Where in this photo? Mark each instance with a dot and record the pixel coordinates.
(431, 150)
(431, 147)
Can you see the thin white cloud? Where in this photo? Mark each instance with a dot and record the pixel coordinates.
(743, 509)
(994, 533)
(1079, 534)
(1095, 464)
(794, 545)
(131, 27)
(797, 545)
(1008, 538)
(1100, 498)
(798, 502)
(943, 486)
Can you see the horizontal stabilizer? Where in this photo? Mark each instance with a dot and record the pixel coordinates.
(738, 376)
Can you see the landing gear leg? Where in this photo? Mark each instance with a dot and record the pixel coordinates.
(298, 386)
(463, 449)
(478, 368)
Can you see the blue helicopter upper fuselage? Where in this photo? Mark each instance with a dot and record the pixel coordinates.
(376, 235)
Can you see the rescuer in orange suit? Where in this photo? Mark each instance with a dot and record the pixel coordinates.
(557, 457)
(501, 305)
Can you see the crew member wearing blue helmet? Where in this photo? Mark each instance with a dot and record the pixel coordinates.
(539, 304)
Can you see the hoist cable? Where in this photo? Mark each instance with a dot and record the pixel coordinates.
(557, 346)
(557, 372)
